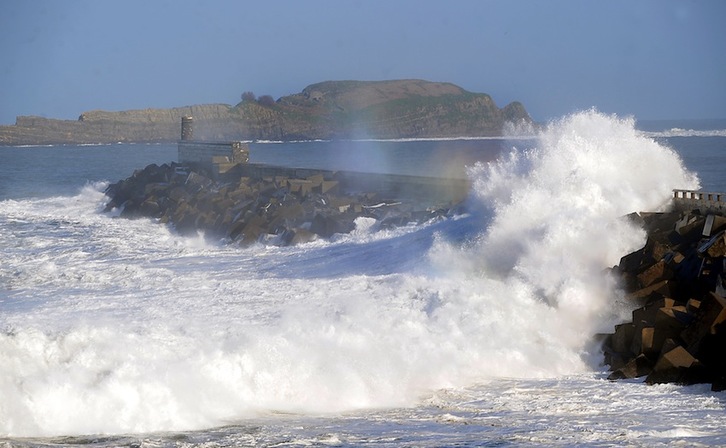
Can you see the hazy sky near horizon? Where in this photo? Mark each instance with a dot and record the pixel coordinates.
(654, 59)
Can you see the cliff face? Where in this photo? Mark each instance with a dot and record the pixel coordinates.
(327, 110)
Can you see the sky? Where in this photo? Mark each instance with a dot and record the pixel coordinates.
(651, 59)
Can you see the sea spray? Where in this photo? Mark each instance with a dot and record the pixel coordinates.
(116, 326)
(557, 216)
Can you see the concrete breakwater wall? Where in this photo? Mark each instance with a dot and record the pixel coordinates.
(706, 202)
(230, 160)
(211, 152)
(431, 190)
(677, 281)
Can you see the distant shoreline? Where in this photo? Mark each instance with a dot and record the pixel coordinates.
(279, 142)
(331, 110)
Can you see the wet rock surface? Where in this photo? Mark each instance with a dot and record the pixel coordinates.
(277, 210)
(678, 280)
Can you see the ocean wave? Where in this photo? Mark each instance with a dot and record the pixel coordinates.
(122, 326)
(679, 132)
(522, 136)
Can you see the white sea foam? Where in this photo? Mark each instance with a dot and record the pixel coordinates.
(118, 326)
(680, 132)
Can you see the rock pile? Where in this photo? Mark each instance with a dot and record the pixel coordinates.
(678, 334)
(279, 210)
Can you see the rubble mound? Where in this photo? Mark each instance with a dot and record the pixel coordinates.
(278, 210)
(678, 333)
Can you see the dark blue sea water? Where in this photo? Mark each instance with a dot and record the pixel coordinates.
(464, 332)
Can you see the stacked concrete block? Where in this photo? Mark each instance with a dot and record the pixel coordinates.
(677, 332)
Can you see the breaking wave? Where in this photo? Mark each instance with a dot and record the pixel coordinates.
(679, 132)
(117, 326)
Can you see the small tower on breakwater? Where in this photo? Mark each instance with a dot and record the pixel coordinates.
(220, 157)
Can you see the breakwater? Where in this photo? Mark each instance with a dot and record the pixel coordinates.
(259, 203)
(677, 281)
(228, 161)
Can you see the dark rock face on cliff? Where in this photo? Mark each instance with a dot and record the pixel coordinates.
(678, 334)
(327, 110)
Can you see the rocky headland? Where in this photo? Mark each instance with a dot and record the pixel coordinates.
(328, 110)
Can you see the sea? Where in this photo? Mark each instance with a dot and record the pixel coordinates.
(472, 330)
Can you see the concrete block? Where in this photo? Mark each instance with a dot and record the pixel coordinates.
(155, 188)
(659, 250)
(286, 215)
(316, 179)
(714, 310)
(329, 187)
(668, 345)
(655, 273)
(719, 224)
(677, 258)
(692, 306)
(242, 192)
(648, 312)
(637, 367)
(677, 357)
(300, 187)
(668, 325)
(687, 222)
(676, 366)
(643, 341)
(717, 248)
(711, 313)
(631, 262)
(676, 375)
(653, 292)
(707, 226)
(197, 179)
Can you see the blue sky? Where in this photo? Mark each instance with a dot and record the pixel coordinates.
(658, 59)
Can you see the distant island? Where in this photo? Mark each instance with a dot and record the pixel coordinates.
(328, 110)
